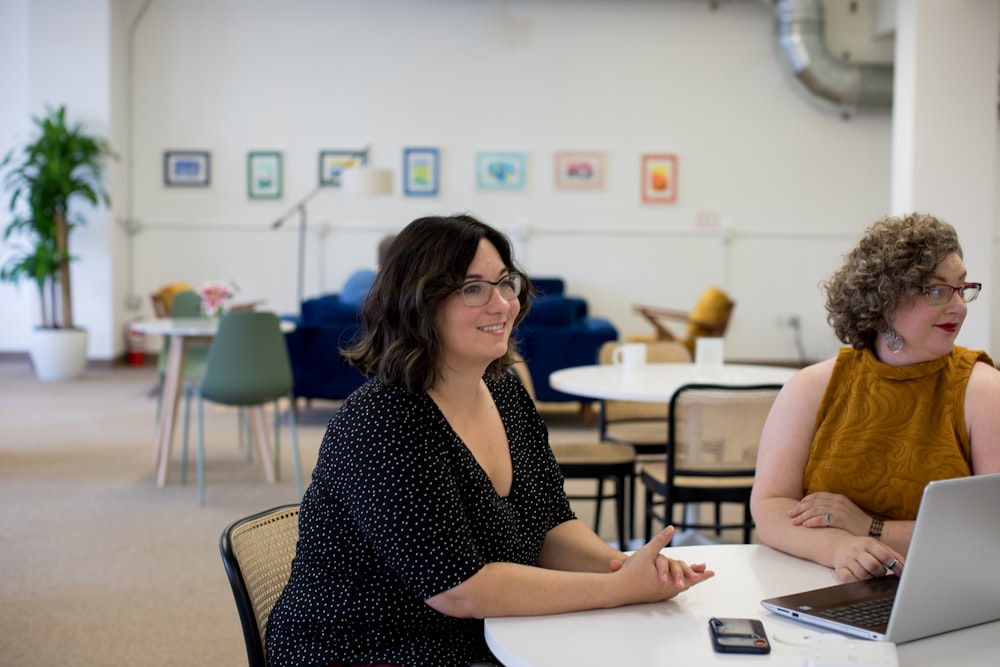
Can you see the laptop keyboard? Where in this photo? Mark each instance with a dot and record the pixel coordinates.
(867, 613)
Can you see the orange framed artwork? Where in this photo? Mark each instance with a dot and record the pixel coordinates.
(659, 179)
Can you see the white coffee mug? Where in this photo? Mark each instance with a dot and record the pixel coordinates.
(709, 355)
(629, 357)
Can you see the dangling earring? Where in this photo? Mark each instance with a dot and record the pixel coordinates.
(892, 341)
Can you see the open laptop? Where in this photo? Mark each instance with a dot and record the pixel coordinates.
(948, 581)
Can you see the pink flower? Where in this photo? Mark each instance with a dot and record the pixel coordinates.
(216, 297)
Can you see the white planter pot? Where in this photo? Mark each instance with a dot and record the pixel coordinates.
(58, 354)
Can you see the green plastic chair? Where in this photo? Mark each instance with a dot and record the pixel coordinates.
(247, 367)
(185, 304)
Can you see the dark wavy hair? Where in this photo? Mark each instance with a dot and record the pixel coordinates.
(891, 263)
(424, 265)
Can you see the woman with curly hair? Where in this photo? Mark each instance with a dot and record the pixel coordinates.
(851, 442)
(436, 500)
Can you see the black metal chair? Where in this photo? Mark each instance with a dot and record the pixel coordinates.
(600, 461)
(257, 552)
(713, 433)
(638, 424)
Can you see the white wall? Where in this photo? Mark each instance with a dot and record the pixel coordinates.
(792, 184)
(50, 58)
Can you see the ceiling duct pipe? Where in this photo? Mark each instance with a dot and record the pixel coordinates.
(847, 88)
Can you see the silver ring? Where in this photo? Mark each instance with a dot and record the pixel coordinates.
(893, 565)
(828, 517)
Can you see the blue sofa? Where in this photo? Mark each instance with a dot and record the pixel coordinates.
(557, 333)
(327, 323)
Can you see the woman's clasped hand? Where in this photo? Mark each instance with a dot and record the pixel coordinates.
(655, 577)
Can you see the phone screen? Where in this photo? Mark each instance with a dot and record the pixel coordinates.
(738, 635)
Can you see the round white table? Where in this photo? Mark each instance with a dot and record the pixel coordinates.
(182, 332)
(656, 383)
(676, 632)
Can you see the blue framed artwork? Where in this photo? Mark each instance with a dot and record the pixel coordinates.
(500, 171)
(421, 169)
(187, 168)
(332, 163)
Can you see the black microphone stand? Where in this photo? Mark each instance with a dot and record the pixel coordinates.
(301, 208)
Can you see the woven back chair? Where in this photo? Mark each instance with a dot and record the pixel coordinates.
(257, 552)
(711, 455)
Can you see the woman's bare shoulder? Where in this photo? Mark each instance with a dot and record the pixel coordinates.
(814, 377)
(984, 382)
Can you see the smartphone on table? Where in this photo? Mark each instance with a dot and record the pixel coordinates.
(738, 635)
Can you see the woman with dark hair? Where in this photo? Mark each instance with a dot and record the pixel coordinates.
(436, 500)
(851, 442)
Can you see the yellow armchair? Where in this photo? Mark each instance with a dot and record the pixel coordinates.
(709, 317)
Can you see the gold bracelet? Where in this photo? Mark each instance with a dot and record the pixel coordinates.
(876, 529)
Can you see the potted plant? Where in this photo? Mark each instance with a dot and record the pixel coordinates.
(45, 177)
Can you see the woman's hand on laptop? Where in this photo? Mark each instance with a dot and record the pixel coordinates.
(857, 558)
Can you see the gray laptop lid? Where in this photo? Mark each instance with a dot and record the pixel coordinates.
(947, 582)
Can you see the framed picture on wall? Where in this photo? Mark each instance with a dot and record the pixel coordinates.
(659, 179)
(421, 169)
(333, 162)
(187, 168)
(579, 171)
(264, 175)
(500, 171)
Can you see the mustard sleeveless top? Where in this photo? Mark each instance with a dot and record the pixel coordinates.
(883, 432)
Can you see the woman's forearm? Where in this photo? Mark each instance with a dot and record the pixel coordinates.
(775, 529)
(573, 546)
(509, 589)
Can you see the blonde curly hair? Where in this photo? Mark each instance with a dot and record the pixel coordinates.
(894, 259)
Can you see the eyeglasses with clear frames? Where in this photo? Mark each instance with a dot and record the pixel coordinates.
(479, 292)
(938, 295)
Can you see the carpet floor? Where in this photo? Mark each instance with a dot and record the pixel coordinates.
(98, 565)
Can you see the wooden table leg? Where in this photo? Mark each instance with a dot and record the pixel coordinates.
(172, 382)
(263, 442)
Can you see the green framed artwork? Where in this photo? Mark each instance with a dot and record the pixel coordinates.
(264, 175)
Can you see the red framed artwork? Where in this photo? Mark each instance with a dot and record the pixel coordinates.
(659, 179)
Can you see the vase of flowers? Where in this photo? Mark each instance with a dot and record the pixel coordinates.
(216, 298)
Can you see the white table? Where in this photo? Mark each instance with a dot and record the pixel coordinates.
(676, 632)
(656, 383)
(182, 331)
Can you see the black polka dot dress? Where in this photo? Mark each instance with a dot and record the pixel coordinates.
(398, 511)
